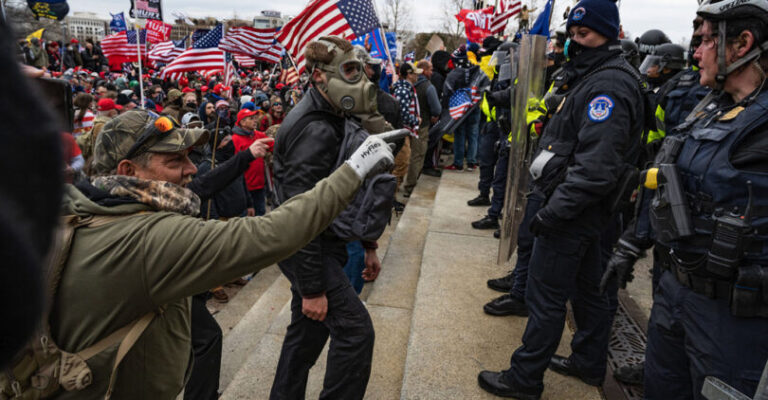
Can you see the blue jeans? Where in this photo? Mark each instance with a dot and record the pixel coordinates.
(467, 131)
(355, 265)
(259, 201)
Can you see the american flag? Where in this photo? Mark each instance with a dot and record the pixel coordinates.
(272, 55)
(245, 61)
(230, 73)
(503, 13)
(345, 18)
(165, 52)
(289, 76)
(461, 100)
(204, 55)
(409, 57)
(248, 41)
(122, 46)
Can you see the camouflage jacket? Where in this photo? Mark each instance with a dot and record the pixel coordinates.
(148, 261)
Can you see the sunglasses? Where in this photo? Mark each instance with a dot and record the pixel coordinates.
(277, 104)
(159, 128)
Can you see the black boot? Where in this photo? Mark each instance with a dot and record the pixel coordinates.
(497, 233)
(492, 383)
(487, 222)
(506, 305)
(480, 200)
(631, 374)
(563, 365)
(503, 284)
(432, 172)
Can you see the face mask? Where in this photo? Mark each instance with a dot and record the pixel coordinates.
(191, 104)
(345, 86)
(222, 113)
(572, 49)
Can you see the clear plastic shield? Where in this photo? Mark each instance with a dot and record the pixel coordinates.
(530, 89)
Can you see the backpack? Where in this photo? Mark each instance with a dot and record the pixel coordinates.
(368, 214)
(41, 369)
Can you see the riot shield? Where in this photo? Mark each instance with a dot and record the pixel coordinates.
(529, 90)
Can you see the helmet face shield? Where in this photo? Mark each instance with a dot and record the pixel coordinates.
(652, 64)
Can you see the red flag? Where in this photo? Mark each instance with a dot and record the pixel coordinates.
(158, 31)
(477, 23)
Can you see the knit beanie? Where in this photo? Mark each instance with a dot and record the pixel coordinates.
(602, 16)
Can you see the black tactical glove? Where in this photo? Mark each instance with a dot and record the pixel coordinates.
(541, 223)
(621, 265)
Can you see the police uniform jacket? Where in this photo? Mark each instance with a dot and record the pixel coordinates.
(593, 135)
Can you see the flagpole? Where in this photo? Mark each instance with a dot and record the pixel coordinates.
(386, 48)
(269, 82)
(551, 12)
(138, 55)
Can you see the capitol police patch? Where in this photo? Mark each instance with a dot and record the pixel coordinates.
(578, 14)
(600, 108)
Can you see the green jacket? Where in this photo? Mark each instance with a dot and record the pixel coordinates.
(125, 268)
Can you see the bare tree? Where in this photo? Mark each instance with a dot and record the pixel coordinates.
(397, 15)
(450, 24)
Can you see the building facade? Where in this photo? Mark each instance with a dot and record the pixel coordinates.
(84, 25)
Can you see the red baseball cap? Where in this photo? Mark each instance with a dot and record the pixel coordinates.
(220, 88)
(183, 81)
(204, 88)
(73, 41)
(187, 89)
(245, 113)
(279, 86)
(108, 104)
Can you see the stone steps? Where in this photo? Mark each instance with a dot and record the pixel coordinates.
(389, 300)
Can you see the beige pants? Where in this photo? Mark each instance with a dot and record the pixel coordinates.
(401, 162)
(418, 151)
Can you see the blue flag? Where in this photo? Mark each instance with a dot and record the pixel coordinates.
(118, 22)
(378, 45)
(541, 26)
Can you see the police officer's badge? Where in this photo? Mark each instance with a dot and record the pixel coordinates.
(600, 108)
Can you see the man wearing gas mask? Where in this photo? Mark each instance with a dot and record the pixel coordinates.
(324, 303)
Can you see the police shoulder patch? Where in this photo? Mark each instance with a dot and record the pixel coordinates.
(600, 108)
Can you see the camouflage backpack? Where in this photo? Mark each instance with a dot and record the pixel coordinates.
(41, 369)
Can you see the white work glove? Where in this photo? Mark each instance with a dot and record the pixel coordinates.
(374, 156)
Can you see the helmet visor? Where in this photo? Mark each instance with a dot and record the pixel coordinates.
(653, 64)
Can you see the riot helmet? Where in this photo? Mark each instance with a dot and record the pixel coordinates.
(630, 53)
(726, 17)
(666, 60)
(648, 41)
(505, 60)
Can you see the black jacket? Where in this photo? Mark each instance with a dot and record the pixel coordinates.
(389, 108)
(306, 152)
(594, 135)
(225, 184)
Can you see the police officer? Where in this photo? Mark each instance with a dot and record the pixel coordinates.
(631, 53)
(675, 100)
(648, 41)
(578, 170)
(663, 63)
(710, 313)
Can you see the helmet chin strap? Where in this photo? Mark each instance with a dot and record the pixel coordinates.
(722, 70)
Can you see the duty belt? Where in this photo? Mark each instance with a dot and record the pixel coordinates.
(694, 278)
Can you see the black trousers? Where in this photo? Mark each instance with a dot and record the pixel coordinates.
(203, 381)
(349, 327)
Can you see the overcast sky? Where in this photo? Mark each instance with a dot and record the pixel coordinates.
(672, 16)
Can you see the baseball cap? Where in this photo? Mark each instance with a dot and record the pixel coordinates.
(160, 135)
(407, 68)
(107, 105)
(245, 113)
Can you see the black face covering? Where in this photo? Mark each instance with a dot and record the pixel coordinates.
(573, 49)
(376, 74)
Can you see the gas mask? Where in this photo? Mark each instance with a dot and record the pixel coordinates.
(345, 86)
